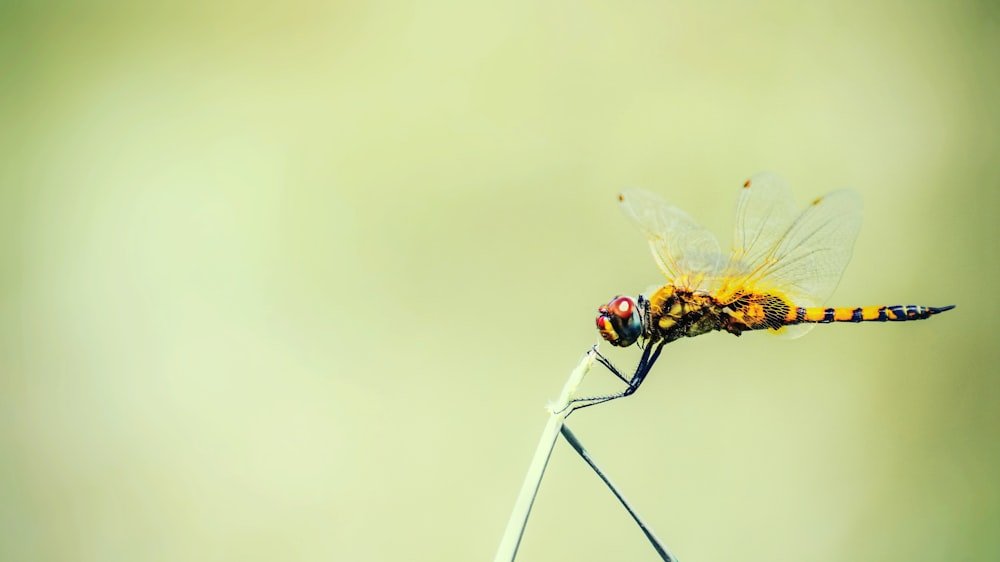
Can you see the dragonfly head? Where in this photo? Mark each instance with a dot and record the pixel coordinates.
(619, 321)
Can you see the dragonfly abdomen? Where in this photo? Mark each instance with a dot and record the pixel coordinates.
(893, 313)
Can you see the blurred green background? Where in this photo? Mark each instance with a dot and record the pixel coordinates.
(294, 281)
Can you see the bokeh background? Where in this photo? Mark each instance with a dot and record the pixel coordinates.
(294, 281)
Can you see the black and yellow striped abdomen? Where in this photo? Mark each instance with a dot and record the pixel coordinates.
(894, 313)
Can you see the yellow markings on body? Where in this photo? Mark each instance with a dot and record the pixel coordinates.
(816, 201)
(677, 310)
(841, 314)
(870, 312)
(815, 314)
(753, 313)
(758, 310)
(670, 317)
(792, 315)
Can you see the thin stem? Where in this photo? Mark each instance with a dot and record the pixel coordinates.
(657, 545)
(529, 489)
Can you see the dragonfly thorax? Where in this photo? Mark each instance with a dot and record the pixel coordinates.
(675, 313)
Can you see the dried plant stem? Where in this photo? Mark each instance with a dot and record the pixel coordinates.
(657, 545)
(522, 507)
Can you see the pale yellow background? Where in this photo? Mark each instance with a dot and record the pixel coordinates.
(294, 281)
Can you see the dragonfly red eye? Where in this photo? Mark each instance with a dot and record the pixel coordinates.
(619, 322)
(622, 307)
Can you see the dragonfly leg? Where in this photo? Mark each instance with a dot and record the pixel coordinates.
(645, 364)
(649, 356)
(607, 364)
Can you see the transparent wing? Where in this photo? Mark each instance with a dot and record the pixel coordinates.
(765, 210)
(686, 252)
(801, 256)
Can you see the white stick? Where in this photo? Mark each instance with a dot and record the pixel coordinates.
(522, 507)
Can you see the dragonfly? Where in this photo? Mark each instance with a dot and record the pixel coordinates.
(784, 264)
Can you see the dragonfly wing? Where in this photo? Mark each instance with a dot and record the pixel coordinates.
(801, 257)
(808, 262)
(686, 252)
(764, 211)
